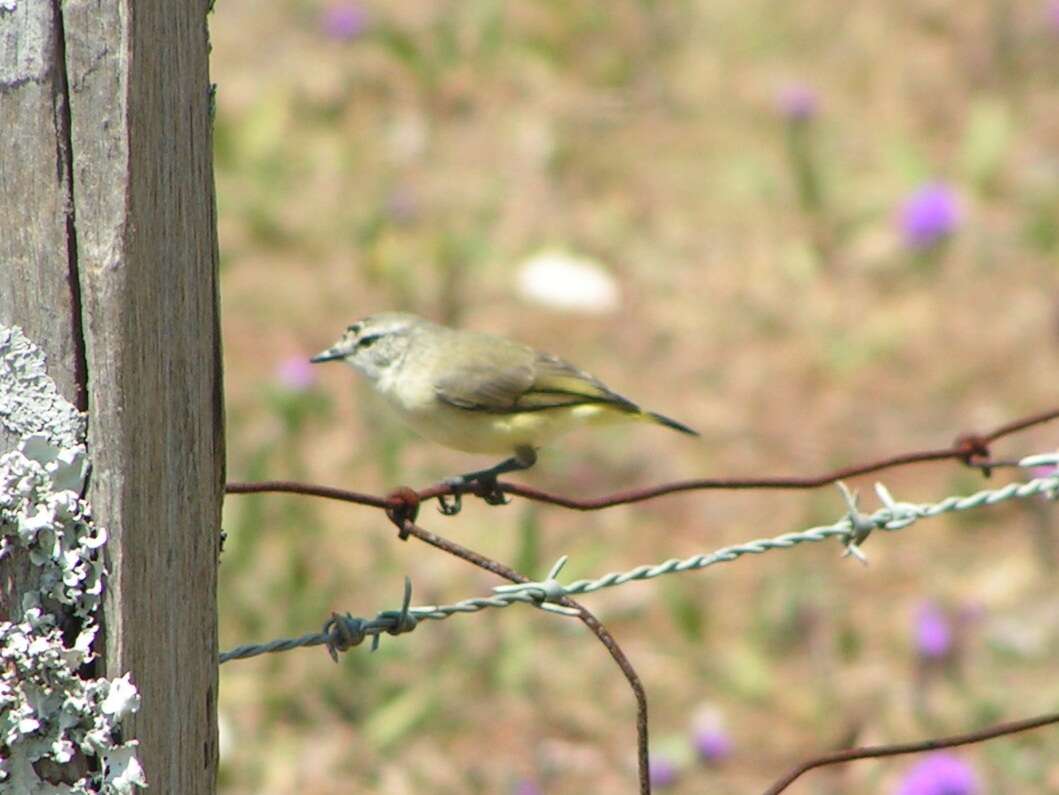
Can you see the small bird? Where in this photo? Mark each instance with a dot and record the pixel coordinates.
(477, 392)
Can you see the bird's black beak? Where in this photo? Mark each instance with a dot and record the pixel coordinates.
(327, 356)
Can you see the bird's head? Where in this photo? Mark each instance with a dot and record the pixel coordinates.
(374, 344)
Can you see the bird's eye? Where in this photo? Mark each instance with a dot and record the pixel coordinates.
(366, 342)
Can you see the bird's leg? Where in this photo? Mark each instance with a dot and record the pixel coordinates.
(524, 458)
(488, 488)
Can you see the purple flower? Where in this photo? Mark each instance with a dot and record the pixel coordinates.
(296, 374)
(525, 786)
(929, 216)
(940, 774)
(662, 771)
(401, 205)
(344, 21)
(1051, 13)
(933, 632)
(971, 613)
(713, 744)
(797, 102)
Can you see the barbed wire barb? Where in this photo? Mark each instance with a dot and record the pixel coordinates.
(860, 526)
(545, 593)
(1039, 460)
(342, 631)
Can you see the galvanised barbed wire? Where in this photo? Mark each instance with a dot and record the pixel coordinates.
(341, 632)
(853, 529)
(345, 631)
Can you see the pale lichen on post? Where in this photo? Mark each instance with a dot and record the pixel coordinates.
(48, 712)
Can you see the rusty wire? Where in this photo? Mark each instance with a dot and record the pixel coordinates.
(407, 527)
(969, 448)
(899, 749)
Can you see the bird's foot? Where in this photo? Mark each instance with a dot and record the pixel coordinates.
(489, 490)
(482, 485)
(450, 504)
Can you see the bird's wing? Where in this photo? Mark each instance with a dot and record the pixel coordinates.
(493, 380)
(509, 378)
(557, 382)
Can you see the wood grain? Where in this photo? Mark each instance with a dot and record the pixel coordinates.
(112, 254)
(36, 288)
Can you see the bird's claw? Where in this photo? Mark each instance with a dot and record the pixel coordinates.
(485, 487)
(450, 505)
(493, 495)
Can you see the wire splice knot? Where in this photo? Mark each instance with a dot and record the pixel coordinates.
(975, 450)
(403, 509)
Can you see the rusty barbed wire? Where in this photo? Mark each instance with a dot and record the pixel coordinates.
(970, 448)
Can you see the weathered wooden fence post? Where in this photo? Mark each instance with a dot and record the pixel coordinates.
(108, 262)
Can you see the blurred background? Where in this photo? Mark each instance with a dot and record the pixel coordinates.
(819, 232)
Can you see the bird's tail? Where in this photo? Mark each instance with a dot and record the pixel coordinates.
(661, 419)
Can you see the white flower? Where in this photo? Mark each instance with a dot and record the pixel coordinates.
(560, 280)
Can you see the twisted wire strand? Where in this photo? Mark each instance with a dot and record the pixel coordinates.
(852, 528)
(892, 518)
(379, 625)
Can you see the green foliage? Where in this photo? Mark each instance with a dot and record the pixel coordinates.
(985, 146)
(687, 610)
(527, 558)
